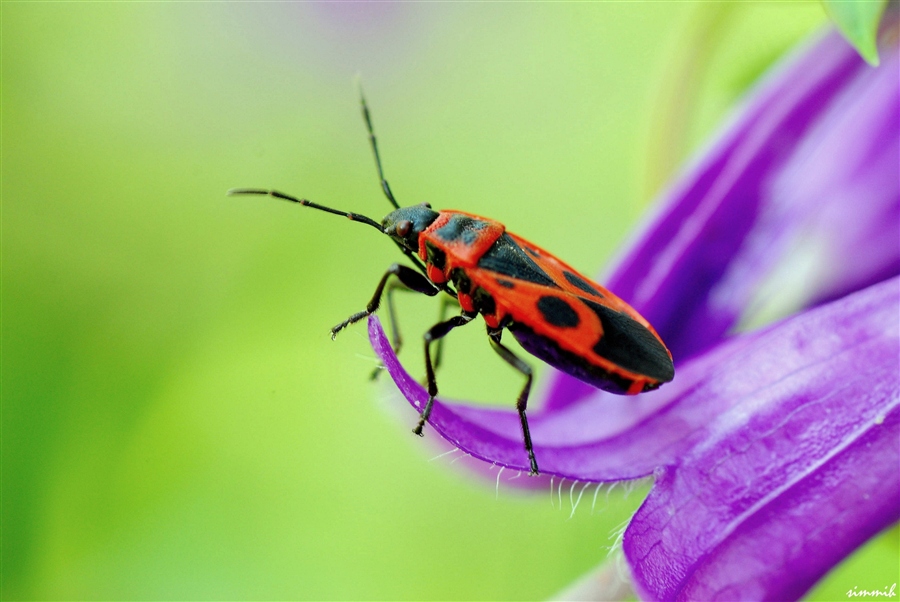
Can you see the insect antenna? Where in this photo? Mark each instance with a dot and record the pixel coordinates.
(355, 217)
(384, 184)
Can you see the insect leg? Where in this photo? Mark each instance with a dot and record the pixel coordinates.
(409, 277)
(435, 333)
(445, 303)
(522, 401)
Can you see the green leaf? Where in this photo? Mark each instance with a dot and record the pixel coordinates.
(858, 21)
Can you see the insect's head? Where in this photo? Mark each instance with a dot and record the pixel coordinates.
(405, 224)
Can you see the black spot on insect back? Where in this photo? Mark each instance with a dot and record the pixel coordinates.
(507, 258)
(580, 283)
(557, 312)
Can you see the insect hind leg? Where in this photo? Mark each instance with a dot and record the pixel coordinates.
(522, 402)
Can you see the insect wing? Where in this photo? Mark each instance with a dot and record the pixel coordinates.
(567, 320)
(570, 280)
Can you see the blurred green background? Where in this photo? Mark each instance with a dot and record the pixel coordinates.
(176, 422)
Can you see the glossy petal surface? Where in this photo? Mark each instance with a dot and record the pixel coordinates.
(791, 476)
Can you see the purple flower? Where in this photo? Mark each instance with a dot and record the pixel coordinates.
(775, 451)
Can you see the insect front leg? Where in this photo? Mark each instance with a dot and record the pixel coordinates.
(522, 401)
(435, 333)
(409, 277)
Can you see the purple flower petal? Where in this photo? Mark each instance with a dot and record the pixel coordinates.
(771, 219)
(794, 473)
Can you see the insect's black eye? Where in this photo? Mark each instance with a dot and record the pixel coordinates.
(403, 227)
(426, 205)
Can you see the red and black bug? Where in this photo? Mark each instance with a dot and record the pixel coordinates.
(556, 314)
